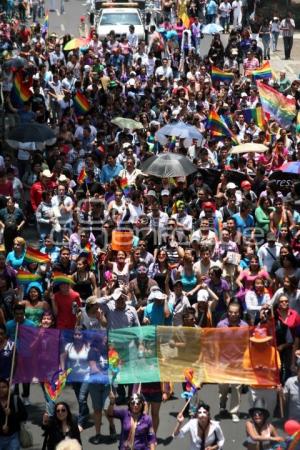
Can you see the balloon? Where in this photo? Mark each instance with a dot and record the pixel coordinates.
(291, 426)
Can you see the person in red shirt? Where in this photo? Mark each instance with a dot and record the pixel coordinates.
(65, 303)
(6, 187)
(44, 184)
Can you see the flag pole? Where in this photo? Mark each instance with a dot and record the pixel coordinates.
(12, 371)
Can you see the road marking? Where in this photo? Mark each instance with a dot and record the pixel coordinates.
(62, 27)
(57, 12)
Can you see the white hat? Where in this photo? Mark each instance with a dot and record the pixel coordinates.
(165, 192)
(151, 193)
(126, 145)
(46, 173)
(117, 293)
(62, 178)
(231, 186)
(156, 294)
(244, 94)
(202, 295)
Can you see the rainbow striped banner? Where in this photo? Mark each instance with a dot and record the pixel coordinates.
(281, 108)
(256, 114)
(20, 92)
(81, 103)
(25, 277)
(61, 278)
(35, 256)
(220, 75)
(82, 176)
(218, 127)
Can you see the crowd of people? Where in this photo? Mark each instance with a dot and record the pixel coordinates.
(218, 248)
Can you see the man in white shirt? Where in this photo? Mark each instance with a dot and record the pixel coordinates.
(225, 10)
(269, 252)
(237, 13)
(132, 37)
(164, 70)
(158, 221)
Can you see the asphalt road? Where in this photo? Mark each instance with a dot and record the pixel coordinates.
(234, 432)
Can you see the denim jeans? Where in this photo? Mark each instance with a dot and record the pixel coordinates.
(81, 391)
(224, 21)
(275, 35)
(10, 442)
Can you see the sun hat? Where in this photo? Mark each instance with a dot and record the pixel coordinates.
(260, 336)
(259, 405)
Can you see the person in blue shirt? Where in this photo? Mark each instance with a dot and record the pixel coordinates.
(110, 170)
(16, 256)
(158, 311)
(211, 11)
(244, 221)
(50, 249)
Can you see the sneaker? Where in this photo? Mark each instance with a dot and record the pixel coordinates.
(112, 432)
(223, 412)
(97, 439)
(26, 401)
(235, 418)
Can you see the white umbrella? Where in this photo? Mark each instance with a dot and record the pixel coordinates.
(212, 28)
(249, 147)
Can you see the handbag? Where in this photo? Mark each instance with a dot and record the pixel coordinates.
(26, 438)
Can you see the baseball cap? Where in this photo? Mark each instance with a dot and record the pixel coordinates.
(62, 178)
(231, 186)
(151, 193)
(156, 294)
(117, 293)
(165, 192)
(202, 295)
(46, 173)
(246, 185)
(180, 180)
(244, 94)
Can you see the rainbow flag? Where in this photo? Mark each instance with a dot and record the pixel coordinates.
(45, 26)
(89, 256)
(55, 386)
(281, 108)
(82, 176)
(220, 75)
(185, 20)
(218, 127)
(20, 92)
(113, 363)
(25, 277)
(35, 256)
(263, 73)
(125, 186)
(59, 277)
(256, 114)
(81, 103)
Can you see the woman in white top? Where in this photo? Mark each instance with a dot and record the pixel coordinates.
(205, 434)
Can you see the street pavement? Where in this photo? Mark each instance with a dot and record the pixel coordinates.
(234, 432)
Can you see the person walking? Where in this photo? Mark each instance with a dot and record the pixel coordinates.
(265, 35)
(275, 30)
(287, 26)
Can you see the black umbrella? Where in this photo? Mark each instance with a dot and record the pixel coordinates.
(211, 177)
(167, 165)
(283, 181)
(15, 63)
(34, 132)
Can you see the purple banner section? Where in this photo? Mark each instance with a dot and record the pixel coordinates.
(37, 354)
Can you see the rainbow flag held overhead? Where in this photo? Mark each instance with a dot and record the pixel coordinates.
(20, 92)
(218, 127)
(81, 103)
(264, 72)
(256, 114)
(82, 176)
(45, 26)
(220, 75)
(25, 277)
(60, 278)
(87, 251)
(35, 256)
(56, 385)
(125, 186)
(281, 108)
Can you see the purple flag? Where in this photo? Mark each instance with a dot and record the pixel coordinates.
(37, 354)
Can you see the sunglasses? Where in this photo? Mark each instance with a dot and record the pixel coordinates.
(61, 410)
(136, 403)
(258, 413)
